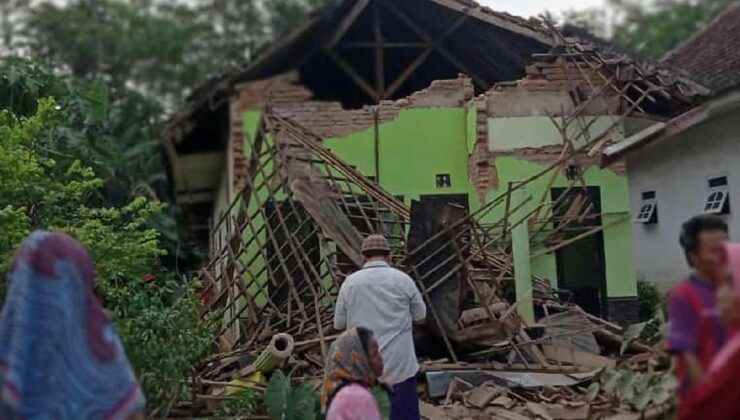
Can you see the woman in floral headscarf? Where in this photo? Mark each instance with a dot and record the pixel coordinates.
(352, 368)
(60, 357)
(717, 397)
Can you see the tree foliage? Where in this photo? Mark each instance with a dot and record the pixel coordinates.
(45, 188)
(654, 31)
(158, 48)
(651, 29)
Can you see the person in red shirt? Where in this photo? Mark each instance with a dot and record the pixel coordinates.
(717, 397)
(696, 331)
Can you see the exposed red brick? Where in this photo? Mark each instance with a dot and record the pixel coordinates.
(482, 170)
(286, 97)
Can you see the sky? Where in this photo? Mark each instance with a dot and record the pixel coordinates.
(527, 8)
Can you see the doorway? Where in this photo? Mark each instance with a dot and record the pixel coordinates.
(581, 265)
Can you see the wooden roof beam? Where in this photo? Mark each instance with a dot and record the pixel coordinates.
(437, 44)
(352, 73)
(347, 22)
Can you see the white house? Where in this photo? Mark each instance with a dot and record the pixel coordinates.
(691, 164)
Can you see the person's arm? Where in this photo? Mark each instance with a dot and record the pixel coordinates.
(682, 338)
(693, 366)
(340, 311)
(418, 308)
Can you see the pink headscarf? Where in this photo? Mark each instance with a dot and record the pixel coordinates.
(732, 261)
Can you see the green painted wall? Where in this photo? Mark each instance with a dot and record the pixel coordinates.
(413, 149)
(620, 263)
(511, 133)
(421, 143)
(620, 275)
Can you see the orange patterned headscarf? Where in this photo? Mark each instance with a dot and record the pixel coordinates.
(347, 362)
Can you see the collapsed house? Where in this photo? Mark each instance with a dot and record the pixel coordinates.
(487, 184)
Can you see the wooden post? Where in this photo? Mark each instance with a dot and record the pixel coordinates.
(522, 264)
(379, 65)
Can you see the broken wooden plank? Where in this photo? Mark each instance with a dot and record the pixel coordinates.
(538, 411)
(471, 316)
(540, 379)
(567, 410)
(481, 396)
(577, 358)
(504, 402)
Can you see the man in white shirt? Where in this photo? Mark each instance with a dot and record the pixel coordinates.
(385, 300)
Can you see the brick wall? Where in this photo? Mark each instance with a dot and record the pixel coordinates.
(552, 88)
(286, 97)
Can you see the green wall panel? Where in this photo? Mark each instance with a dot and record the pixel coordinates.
(412, 150)
(421, 143)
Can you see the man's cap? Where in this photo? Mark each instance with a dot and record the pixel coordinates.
(375, 243)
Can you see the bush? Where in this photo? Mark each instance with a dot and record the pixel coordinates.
(650, 300)
(156, 319)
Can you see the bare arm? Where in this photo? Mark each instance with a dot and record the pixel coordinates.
(693, 367)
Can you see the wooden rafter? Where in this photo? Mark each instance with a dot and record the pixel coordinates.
(381, 89)
(408, 71)
(347, 22)
(352, 73)
(438, 43)
(379, 65)
(495, 19)
(348, 45)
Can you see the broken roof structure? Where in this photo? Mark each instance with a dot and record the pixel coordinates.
(291, 213)
(293, 233)
(712, 57)
(361, 52)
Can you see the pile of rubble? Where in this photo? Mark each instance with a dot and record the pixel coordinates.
(583, 375)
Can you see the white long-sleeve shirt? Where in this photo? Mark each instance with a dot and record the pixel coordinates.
(386, 301)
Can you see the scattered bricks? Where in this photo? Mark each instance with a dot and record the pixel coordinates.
(503, 402)
(567, 410)
(482, 170)
(538, 411)
(480, 397)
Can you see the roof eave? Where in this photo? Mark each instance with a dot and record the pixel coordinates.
(663, 131)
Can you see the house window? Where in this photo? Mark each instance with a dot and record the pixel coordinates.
(648, 214)
(444, 181)
(718, 196)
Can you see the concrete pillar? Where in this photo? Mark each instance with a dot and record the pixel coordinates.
(522, 260)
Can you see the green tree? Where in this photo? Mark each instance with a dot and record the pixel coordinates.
(12, 13)
(43, 188)
(651, 29)
(116, 137)
(136, 45)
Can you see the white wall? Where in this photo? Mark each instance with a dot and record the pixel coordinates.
(677, 169)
